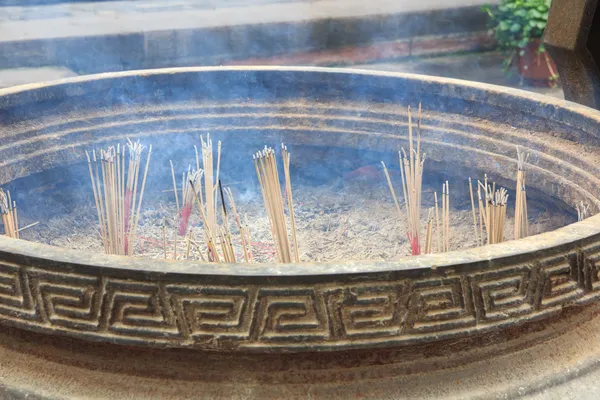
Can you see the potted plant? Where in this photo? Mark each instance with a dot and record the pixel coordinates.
(518, 27)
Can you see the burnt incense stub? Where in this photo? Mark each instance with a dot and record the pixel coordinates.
(300, 307)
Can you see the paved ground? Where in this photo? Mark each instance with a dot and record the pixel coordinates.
(119, 17)
(21, 76)
(479, 67)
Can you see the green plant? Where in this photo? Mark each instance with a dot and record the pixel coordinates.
(518, 22)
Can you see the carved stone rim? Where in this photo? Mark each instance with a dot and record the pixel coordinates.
(577, 234)
(304, 306)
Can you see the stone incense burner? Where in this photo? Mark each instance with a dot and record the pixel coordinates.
(501, 319)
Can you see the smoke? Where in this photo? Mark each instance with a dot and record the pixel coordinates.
(338, 127)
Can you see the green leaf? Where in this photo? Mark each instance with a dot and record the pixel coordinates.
(535, 14)
(521, 12)
(517, 22)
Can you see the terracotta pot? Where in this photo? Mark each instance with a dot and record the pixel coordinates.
(534, 65)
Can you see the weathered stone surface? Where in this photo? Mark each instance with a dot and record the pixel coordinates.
(302, 307)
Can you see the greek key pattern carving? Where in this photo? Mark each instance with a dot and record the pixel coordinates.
(436, 306)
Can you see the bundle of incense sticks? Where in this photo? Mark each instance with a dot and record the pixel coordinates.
(221, 238)
(583, 211)
(10, 219)
(268, 177)
(411, 172)
(200, 179)
(495, 213)
(115, 181)
(521, 223)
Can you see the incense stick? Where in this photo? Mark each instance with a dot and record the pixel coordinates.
(164, 235)
(174, 186)
(29, 226)
(429, 232)
(446, 217)
(288, 185)
(437, 223)
(236, 218)
(187, 245)
(389, 181)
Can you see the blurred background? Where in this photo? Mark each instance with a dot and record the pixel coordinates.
(492, 41)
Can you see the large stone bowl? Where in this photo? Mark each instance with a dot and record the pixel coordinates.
(75, 323)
